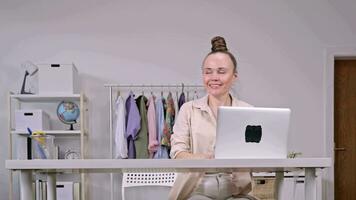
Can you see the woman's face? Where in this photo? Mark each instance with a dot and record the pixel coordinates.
(218, 74)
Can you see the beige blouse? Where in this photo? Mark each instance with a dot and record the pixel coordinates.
(195, 132)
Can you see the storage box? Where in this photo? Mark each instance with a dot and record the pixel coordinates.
(33, 119)
(58, 79)
(65, 191)
(264, 188)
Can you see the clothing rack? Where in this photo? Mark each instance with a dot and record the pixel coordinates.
(154, 85)
(110, 87)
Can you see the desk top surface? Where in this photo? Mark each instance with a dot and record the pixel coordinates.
(149, 165)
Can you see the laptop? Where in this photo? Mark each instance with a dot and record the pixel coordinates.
(252, 132)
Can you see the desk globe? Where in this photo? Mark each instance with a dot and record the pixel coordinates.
(68, 113)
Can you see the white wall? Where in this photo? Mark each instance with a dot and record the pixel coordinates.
(279, 44)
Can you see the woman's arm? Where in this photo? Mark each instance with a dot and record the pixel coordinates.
(181, 137)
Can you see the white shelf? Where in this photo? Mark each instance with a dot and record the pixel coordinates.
(51, 132)
(45, 98)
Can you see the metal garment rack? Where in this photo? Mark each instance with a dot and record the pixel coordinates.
(144, 87)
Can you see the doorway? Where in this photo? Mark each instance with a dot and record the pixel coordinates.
(345, 129)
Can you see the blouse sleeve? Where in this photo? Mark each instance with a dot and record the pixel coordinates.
(180, 139)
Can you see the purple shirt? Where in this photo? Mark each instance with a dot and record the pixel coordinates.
(133, 124)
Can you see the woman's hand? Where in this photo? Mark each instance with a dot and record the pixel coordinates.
(187, 155)
(203, 156)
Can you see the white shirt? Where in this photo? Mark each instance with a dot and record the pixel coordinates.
(121, 150)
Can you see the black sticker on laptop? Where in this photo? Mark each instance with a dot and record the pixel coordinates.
(253, 133)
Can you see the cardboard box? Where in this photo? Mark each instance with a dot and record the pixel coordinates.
(57, 79)
(33, 119)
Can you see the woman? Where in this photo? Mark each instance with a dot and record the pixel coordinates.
(195, 132)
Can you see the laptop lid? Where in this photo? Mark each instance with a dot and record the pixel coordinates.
(252, 132)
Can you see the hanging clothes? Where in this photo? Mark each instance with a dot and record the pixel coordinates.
(164, 103)
(152, 127)
(181, 100)
(141, 141)
(133, 124)
(121, 150)
(176, 102)
(169, 122)
(162, 151)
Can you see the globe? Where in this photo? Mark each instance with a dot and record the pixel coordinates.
(68, 113)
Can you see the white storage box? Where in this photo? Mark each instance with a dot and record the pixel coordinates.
(65, 191)
(33, 119)
(58, 79)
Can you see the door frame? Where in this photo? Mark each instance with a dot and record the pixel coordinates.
(331, 54)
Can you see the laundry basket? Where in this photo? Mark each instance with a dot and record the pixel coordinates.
(147, 185)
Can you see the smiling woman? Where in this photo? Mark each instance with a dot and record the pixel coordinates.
(194, 132)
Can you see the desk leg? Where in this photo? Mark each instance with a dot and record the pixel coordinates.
(310, 184)
(51, 186)
(278, 185)
(26, 191)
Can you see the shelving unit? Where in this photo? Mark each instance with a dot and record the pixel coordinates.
(22, 101)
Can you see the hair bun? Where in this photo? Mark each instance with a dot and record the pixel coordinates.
(218, 44)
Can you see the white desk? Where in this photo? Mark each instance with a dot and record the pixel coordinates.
(51, 167)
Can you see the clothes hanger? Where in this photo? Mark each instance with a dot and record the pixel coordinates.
(152, 91)
(169, 89)
(177, 93)
(117, 94)
(132, 91)
(182, 88)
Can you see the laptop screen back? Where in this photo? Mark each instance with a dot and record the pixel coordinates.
(251, 132)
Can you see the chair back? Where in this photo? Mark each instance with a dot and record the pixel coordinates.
(156, 184)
